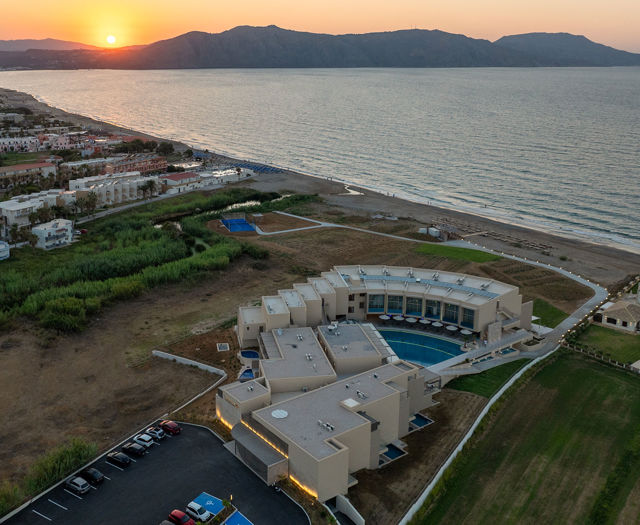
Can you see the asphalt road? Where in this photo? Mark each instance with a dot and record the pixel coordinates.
(171, 474)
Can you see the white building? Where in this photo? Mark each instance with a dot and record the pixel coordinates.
(19, 144)
(53, 234)
(16, 211)
(4, 251)
(117, 188)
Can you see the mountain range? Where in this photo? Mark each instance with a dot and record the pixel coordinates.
(273, 47)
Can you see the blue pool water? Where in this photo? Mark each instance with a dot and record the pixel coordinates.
(420, 421)
(424, 349)
(237, 225)
(249, 354)
(394, 452)
(247, 374)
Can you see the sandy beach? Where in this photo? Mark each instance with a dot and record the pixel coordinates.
(602, 264)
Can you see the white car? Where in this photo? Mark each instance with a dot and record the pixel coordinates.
(77, 485)
(156, 433)
(198, 512)
(144, 439)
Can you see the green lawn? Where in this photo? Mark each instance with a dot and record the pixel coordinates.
(454, 252)
(10, 159)
(549, 315)
(488, 382)
(549, 450)
(622, 347)
(635, 288)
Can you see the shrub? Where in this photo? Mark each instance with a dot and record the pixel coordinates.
(126, 289)
(255, 252)
(200, 248)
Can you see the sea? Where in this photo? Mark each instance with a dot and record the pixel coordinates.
(556, 149)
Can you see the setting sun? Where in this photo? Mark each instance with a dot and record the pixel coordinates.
(111, 39)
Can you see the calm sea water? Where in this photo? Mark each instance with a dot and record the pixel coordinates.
(558, 149)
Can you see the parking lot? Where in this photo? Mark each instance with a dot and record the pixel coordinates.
(171, 474)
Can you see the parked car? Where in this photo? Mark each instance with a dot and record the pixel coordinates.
(180, 518)
(77, 484)
(133, 449)
(144, 440)
(156, 433)
(83, 231)
(93, 476)
(170, 427)
(198, 512)
(118, 458)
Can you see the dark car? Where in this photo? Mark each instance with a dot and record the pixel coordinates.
(170, 427)
(134, 449)
(180, 518)
(118, 458)
(93, 476)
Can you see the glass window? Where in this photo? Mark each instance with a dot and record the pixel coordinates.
(468, 317)
(376, 303)
(450, 313)
(394, 304)
(414, 306)
(433, 309)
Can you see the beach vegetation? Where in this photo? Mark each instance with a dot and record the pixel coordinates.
(46, 471)
(487, 383)
(455, 252)
(122, 256)
(549, 315)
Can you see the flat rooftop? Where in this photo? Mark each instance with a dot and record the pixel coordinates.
(245, 391)
(336, 404)
(307, 291)
(323, 286)
(251, 314)
(294, 355)
(347, 341)
(274, 304)
(459, 286)
(292, 298)
(335, 279)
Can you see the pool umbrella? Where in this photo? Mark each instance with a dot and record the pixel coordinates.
(425, 321)
(384, 317)
(465, 332)
(452, 328)
(437, 324)
(411, 320)
(398, 317)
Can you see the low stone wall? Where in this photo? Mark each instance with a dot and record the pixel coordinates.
(188, 362)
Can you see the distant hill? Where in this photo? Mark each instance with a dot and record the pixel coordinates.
(568, 50)
(273, 47)
(46, 43)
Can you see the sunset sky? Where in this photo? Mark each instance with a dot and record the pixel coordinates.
(612, 22)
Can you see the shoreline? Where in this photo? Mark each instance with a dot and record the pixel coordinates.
(600, 262)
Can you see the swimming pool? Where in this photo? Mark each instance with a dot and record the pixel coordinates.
(424, 349)
(238, 225)
(249, 354)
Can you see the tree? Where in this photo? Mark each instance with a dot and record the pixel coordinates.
(188, 153)
(91, 202)
(165, 148)
(148, 188)
(44, 214)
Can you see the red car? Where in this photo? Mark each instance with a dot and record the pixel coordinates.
(170, 427)
(180, 518)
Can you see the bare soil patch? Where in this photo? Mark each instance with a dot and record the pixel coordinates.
(273, 222)
(383, 496)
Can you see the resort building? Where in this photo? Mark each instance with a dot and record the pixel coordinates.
(326, 393)
(83, 167)
(297, 420)
(114, 189)
(53, 234)
(142, 162)
(17, 144)
(25, 173)
(480, 305)
(5, 252)
(16, 210)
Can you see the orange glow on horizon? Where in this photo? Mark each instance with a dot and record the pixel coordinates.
(612, 22)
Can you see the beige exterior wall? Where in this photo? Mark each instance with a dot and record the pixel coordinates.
(275, 320)
(386, 411)
(248, 331)
(297, 384)
(333, 475)
(358, 441)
